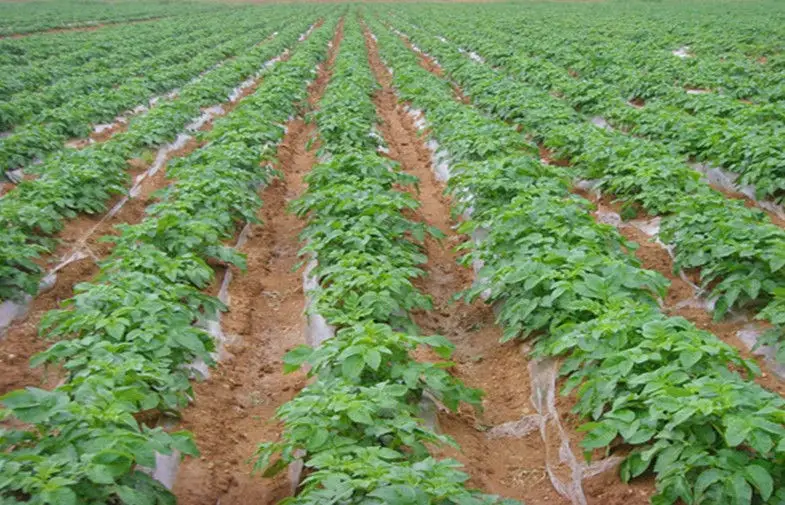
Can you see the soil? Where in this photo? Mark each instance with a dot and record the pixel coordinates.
(638, 102)
(233, 409)
(83, 28)
(653, 257)
(510, 466)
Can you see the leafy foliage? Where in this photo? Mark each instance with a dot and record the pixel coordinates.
(678, 395)
(83, 181)
(127, 340)
(356, 427)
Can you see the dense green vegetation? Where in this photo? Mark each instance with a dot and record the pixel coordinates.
(525, 103)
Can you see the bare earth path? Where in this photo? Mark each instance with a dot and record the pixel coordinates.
(231, 414)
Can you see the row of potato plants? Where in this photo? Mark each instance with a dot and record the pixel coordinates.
(739, 251)
(356, 426)
(30, 63)
(126, 340)
(751, 148)
(39, 16)
(44, 129)
(135, 61)
(83, 181)
(676, 400)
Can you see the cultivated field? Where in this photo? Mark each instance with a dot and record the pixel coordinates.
(404, 254)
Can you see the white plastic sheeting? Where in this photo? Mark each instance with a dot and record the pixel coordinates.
(727, 181)
(165, 470)
(317, 330)
(750, 335)
(123, 118)
(601, 122)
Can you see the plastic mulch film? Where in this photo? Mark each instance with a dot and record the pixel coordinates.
(749, 335)
(317, 329)
(565, 470)
(752, 331)
(601, 122)
(727, 181)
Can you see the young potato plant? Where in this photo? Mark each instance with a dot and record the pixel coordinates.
(128, 338)
(679, 397)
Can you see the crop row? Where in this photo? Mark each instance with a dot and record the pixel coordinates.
(77, 181)
(748, 143)
(641, 379)
(127, 339)
(356, 427)
(83, 106)
(739, 251)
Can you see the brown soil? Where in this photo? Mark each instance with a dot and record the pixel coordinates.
(81, 234)
(121, 125)
(233, 409)
(107, 133)
(87, 28)
(509, 466)
(606, 486)
(433, 67)
(638, 102)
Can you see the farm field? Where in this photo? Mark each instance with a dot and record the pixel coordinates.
(392, 253)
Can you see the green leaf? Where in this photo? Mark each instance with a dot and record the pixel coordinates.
(373, 359)
(706, 479)
(183, 441)
(100, 474)
(131, 496)
(274, 469)
(689, 358)
(60, 496)
(599, 435)
(295, 358)
(115, 329)
(741, 491)
(736, 431)
(761, 479)
(353, 366)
